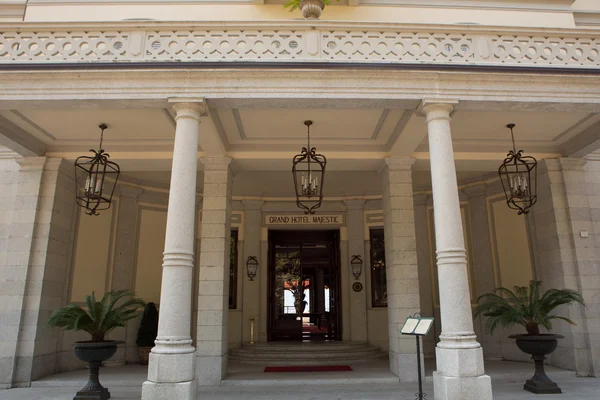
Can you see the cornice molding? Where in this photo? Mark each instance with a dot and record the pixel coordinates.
(587, 18)
(140, 25)
(508, 5)
(75, 88)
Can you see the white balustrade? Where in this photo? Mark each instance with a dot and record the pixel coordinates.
(297, 44)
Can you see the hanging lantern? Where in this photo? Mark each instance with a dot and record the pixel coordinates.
(518, 175)
(95, 179)
(309, 174)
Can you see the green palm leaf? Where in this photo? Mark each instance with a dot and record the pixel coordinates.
(523, 306)
(101, 317)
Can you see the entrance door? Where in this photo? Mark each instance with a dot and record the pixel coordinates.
(304, 284)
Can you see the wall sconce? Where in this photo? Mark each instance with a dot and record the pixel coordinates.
(252, 266)
(356, 265)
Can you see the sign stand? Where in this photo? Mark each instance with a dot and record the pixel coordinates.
(418, 326)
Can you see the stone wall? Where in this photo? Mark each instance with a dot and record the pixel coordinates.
(36, 259)
(566, 221)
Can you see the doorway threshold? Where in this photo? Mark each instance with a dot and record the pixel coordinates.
(365, 372)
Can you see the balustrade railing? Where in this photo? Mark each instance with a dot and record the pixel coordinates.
(319, 42)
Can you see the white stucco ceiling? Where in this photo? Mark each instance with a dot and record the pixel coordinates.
(261, 138)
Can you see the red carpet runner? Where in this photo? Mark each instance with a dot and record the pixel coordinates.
(308, 368)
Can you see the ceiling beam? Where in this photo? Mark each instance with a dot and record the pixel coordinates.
(18, 140)
(584, 143)
(403, 143)
(212, 141)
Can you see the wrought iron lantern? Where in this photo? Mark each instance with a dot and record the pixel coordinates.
(95, 179)
(309, 175)
(518, 174)
(356, 264)
(252, 266)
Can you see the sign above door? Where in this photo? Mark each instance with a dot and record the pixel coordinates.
(297, 219)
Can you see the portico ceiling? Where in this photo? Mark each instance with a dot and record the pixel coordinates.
(263, 136)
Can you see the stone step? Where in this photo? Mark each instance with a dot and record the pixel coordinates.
(306, 347)
(301, 362)
(321, 353)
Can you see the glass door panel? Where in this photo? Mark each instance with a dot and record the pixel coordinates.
(288, 293)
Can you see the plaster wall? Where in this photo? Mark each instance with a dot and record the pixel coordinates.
(408, 14)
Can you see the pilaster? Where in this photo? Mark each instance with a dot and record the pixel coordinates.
(263, 279)
(358, 300)
(482, 257)
(38, 249)
(569, 255)
(213, 287)
(401, 263)
(251, 289)
(122, 274)
(423, 256)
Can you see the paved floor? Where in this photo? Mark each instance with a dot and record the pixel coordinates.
(367, 381)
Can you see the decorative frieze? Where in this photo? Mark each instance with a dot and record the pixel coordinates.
(319, 42)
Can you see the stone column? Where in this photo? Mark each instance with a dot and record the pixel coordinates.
(460, 370)
(171, 370)
(125, 248)
(358, 300)
(401, 263)
(251, 289)
(213, 288)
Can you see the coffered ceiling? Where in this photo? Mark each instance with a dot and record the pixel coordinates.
(263, 135)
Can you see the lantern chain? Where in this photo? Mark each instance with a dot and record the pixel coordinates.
(103, 127)
(511, 126)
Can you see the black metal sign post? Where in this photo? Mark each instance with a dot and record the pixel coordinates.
(418, 326)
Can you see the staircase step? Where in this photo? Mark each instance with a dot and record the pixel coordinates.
(290, 353)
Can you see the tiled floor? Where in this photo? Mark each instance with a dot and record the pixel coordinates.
(369, 380)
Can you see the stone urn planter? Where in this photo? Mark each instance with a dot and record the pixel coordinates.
(532, 309)
(538, 346)
(94, 353)
(311, 9)
(98, 319)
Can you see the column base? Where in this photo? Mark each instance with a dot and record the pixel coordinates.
(463, 388)
(161, 391)
(210, 371)
(404, 366)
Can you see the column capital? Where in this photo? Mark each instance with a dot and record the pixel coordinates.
(252, 204)
(216, 163)
(436, 108)
(31, 163)
(355, 204)
(572, 164)
(397, 164)
(189, 107)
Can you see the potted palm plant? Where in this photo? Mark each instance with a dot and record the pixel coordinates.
(98, 319)
(147, 332)
(525, 306)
